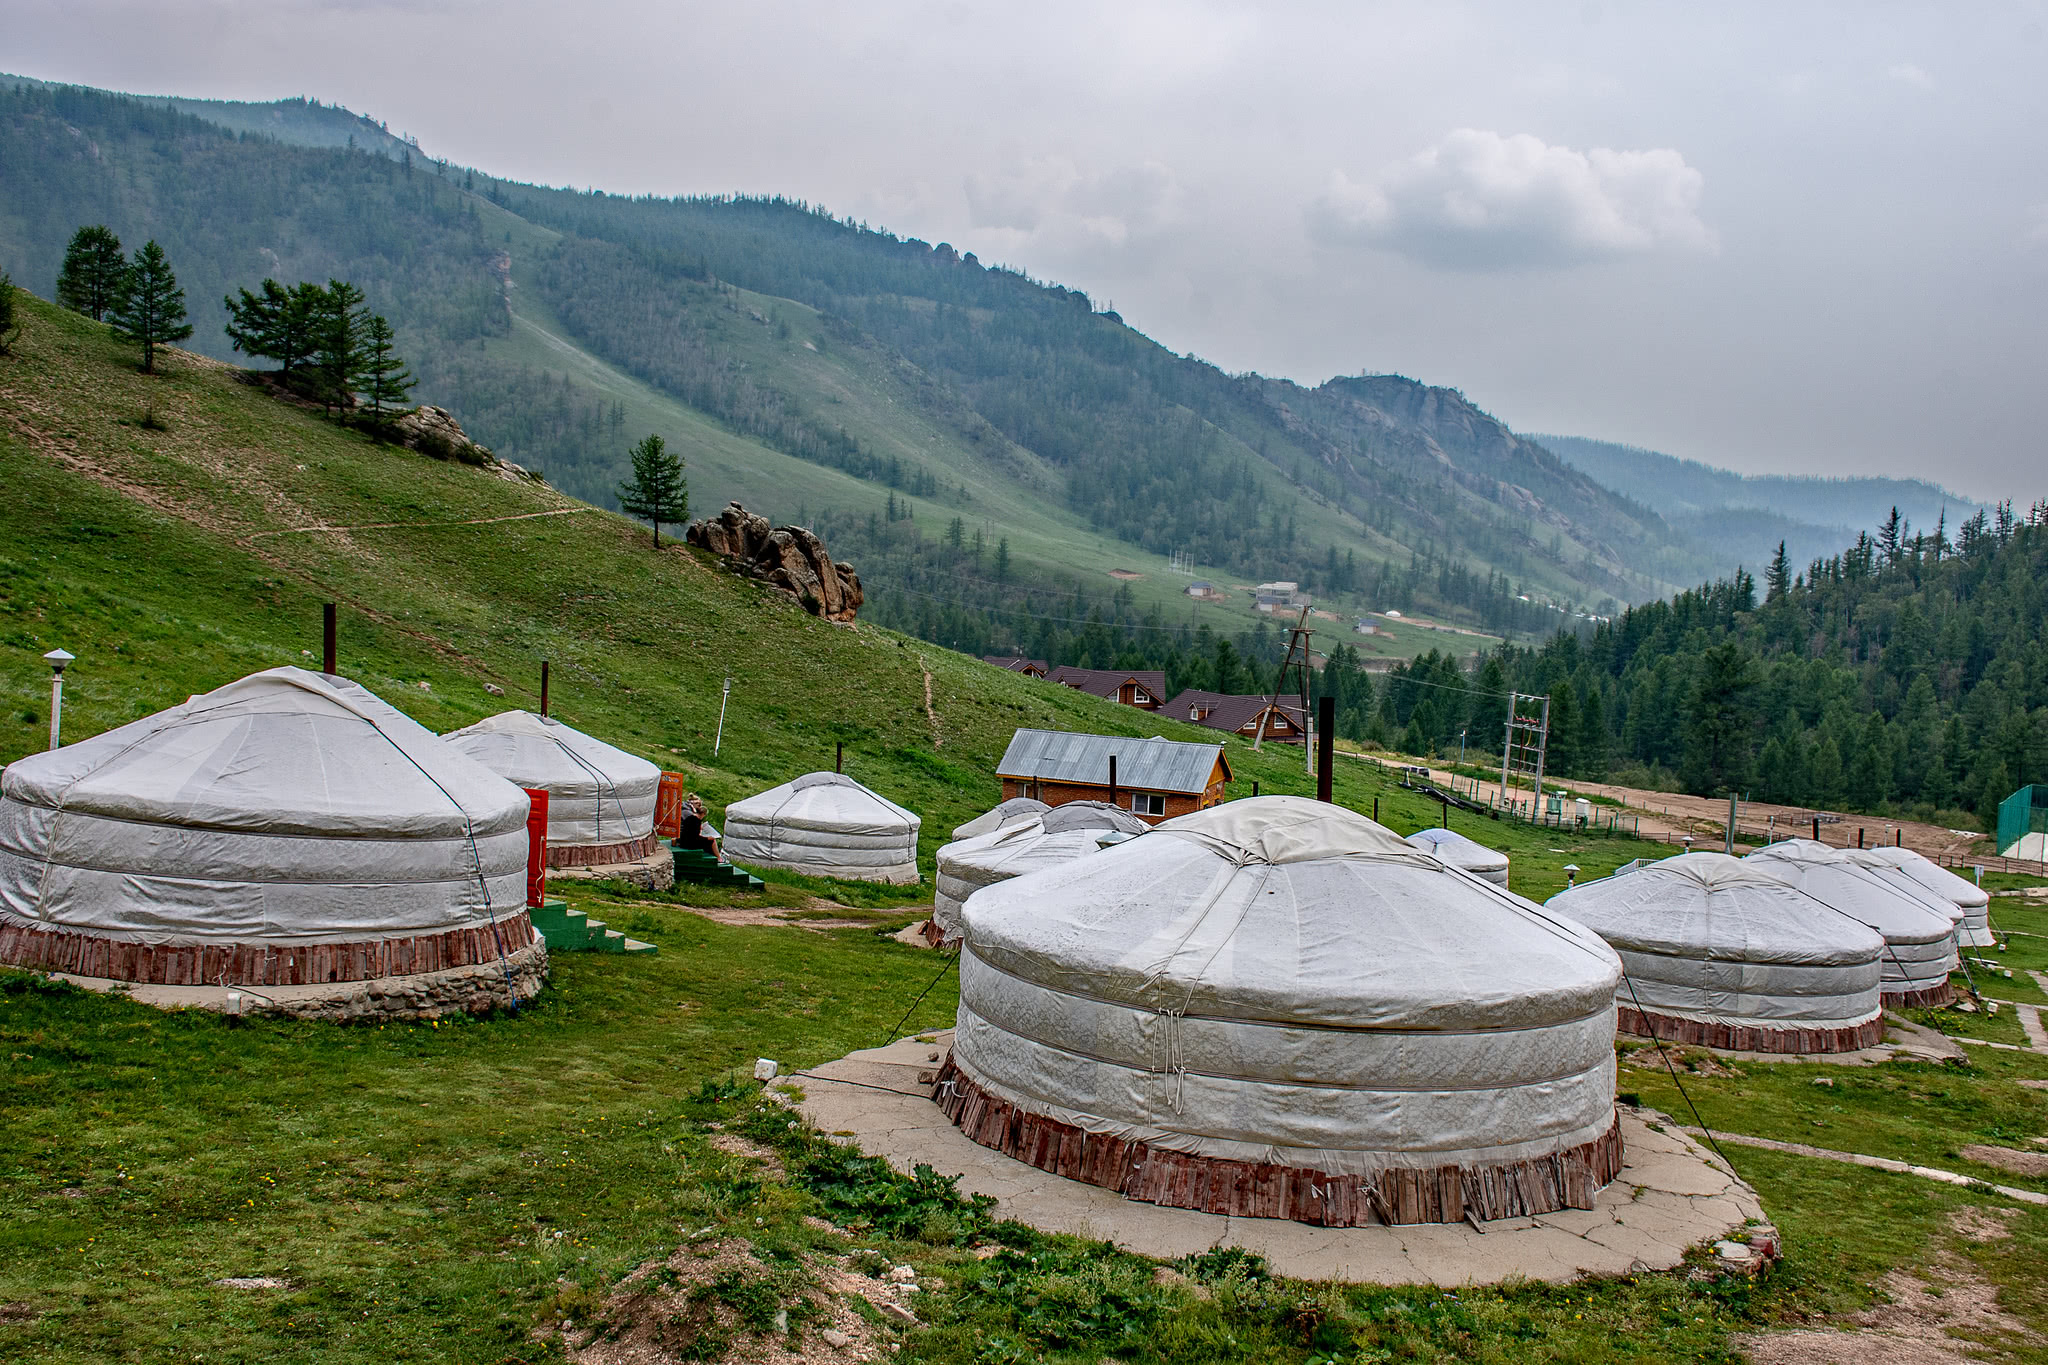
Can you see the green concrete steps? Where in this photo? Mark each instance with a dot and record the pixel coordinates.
(573, 931)
(695, 865)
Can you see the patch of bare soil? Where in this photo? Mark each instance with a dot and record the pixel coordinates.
(1924, 1324)
(718, 1301)
(732, 1144)
(2007, 1159)
(805, 916)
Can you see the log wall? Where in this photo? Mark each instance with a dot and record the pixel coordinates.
(600, 855)
(1671, 1028)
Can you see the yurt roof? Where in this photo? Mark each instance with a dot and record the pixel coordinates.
(285, 751)
(831, 801)
(541, 751)
(1711, 905)
(1016, 810)
(1456, 849)
(1928, 874)
(1281, 909)
(1833, 877)
(1059, 835)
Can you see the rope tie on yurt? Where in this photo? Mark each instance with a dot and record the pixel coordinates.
(951, 962)
(1658, 1039)
(599, 779)
(476, 858)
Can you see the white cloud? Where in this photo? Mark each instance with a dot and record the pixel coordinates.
(2037, 224)
(1052, 199)
(1905, 73)
(1478, 200)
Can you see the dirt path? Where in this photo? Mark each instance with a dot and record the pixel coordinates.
(1877, 1163)
(1670, 816)
(933, 716)
(421, 525)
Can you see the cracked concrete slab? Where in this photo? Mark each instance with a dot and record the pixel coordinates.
(1672, 1194)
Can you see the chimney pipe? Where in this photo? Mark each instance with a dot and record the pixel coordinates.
(543, 686)
(327, 660)
(1326, 743)
(839, 757)
(1112, 779)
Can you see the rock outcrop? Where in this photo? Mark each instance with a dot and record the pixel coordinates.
(785, 557)
(434, 431)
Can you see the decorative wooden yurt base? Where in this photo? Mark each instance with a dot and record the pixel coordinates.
(1933, 998)
(38, 948)
(1670, 1028)
(1442, 1194)
(1672, 1195)
(479, 989)
(646, 863)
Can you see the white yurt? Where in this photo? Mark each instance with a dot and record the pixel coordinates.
(1916, 871)
(827, 825)
(289, 829)
(1469, 854)
(600, 798)
(1014, 811)
(1722, 952)
(1919, 935)
(1278, 1008)
(1058, 834)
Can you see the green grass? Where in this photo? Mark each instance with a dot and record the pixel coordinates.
(433, 1193)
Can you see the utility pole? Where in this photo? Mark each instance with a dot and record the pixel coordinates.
(1299, 665)
(1525, 746)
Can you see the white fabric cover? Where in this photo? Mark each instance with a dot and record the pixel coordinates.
(596, 794)
(1056, 835)
(1709, 937)
(1919, 935)
(288, 806)
(1455, 849)
(1904, 867)
(1014, 811)
(1280, 980)
(827, 825)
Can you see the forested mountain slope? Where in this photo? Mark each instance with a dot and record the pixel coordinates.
(810, 365)
(1750, 514)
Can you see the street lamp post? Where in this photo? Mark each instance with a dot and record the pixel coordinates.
(723, 697)
(56, 659)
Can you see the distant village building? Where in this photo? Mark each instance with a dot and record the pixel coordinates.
(1144, 689)
(1283, 721)
(1203, 590)
(1365, 627)
(1156, 779)
(1012, 663)
(1283, 595)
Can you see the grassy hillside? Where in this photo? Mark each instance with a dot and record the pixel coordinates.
(455, 1193)
(804, 364)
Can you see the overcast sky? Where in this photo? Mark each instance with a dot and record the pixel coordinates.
(1774, 237)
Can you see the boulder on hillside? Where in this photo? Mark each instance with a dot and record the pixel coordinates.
(785, 557)
(434, 431)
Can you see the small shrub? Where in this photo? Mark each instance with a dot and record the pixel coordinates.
(150, 421)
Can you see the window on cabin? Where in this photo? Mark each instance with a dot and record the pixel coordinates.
(1148, 803)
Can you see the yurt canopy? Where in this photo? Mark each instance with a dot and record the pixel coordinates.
(1919, 936)
(1721, 951)
(827, 825)
(1056, 835)
(241, 835)
(1916, 871)
(1014, 811)
(1278, 1007)
(597, 794)
(1459, 851)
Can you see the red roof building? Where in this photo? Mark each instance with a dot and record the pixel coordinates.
(1283, 720)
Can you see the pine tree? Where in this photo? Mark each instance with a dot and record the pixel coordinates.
(1778, 578)
(338, 342)
(385, 381)
(91, 273)
(9, 327)
(149, 307)
(1720, 722)
(278, 324)
(657, 492)
(1003, 560)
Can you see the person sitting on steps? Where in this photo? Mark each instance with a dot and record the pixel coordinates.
(696, 832)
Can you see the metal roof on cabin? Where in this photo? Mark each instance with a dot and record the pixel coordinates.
(1161, 765)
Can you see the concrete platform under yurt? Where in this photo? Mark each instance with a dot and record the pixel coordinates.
(1671, 1195)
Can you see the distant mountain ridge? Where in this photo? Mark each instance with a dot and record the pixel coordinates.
(300, 122)
(1748, 514)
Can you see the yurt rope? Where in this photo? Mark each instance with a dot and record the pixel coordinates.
(952, 961)
(1658, 1039)
(476, 857)
(598, 778)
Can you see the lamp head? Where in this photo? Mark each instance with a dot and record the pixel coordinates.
(57, 658)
